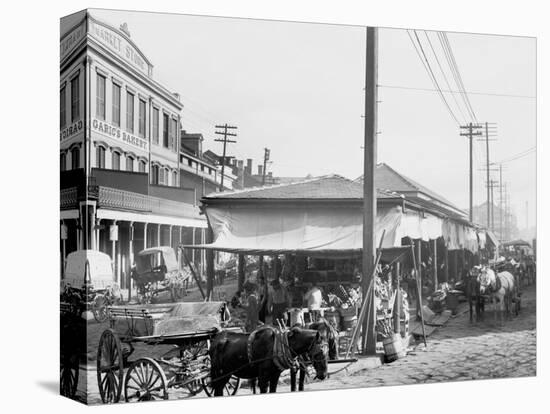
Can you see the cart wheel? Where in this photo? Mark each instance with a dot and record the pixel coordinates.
(230, 388)
(110, 367)
(195, 387)
(99, 308)
(145, 381)
(68, 379)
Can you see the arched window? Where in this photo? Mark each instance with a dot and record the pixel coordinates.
(75, 158)
(116, 161)
(63, 161)
(100, 157)
(161, 176)
(142, 166)
(174, 178)
(129, 163)
(154, 174)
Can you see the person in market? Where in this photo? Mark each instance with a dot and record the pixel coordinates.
(314, 299)
(278, 302)
(251, 305)
(263, 294)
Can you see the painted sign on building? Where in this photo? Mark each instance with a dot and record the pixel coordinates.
(120, 46)
(71, 40)
(71, 130)
(109, 130)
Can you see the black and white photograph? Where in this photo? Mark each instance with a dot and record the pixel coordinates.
(253, 206)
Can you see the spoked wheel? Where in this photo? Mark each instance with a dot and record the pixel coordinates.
(230, 388)
(99, 308)
(145, 381)
(68, 379)
(110, 367)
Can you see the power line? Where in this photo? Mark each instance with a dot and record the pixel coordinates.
(518, 155)
(455, 92)
(443, 73)
(429, 70)
(460, 83)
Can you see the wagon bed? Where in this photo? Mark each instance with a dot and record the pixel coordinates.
(188, 326)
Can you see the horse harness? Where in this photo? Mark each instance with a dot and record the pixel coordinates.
(282, 353)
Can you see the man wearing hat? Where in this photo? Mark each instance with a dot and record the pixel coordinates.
(278, 301)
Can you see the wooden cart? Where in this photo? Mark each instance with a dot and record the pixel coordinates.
(186, 327)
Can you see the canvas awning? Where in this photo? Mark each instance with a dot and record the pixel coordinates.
(315, 230)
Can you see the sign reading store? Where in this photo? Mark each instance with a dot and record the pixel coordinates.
(120, 46)
(115, 132)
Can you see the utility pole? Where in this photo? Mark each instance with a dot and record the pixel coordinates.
(471, 134)
(492, 184)
(224, 130)
(486, 139)
(369, 190)
(266, 159)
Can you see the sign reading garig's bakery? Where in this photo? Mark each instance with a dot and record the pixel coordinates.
(115, 132)
(120, 46)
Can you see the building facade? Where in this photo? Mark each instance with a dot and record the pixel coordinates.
(121, 183)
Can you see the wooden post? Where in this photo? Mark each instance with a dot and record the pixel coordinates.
(435, 265)
(419, 276)
(397, 305)
(209, 266)
(130, 259)
(368, 343)
(446, 263)
(240, 276)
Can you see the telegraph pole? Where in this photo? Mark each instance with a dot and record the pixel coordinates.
(266, 159)
(486, 139)
(224, 130)
(471, 134)
(369, 191)
(492, 184)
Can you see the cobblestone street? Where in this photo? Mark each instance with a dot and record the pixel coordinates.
(459, 351)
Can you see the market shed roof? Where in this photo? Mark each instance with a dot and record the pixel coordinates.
(327, 187)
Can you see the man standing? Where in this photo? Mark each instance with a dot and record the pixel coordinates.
(278, 302)
(314, 299)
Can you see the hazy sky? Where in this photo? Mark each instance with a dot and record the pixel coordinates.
(297, 89)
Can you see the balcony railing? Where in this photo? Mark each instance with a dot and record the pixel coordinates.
(68, 198)
(126, 200)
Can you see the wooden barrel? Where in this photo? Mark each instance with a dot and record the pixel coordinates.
(333, 318)
(393, 348)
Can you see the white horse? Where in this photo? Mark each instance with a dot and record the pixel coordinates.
(500, 287)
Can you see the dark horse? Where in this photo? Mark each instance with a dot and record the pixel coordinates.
(328, 335)
(264, 354)
(473, 294)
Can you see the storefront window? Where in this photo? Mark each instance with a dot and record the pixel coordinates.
(75, 158)
(100, 157)
(129, 164)
(62, 107)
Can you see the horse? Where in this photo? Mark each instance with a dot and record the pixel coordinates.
(472, 291)
(500, 287)
(329, 335)
(263, 355)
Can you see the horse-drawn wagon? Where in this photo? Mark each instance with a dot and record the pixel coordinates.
(89, 281)
(183, 329)
(156, 270)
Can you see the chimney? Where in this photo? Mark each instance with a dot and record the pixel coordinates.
(248, 168)
(260, 169)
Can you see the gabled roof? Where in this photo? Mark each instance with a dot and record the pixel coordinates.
(328, 187)
(386, 178)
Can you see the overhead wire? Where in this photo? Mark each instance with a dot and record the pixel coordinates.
(420, 52)
(443, 73)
